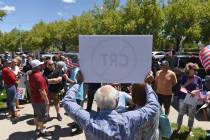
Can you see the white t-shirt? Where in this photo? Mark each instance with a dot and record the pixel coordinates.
(16, 70)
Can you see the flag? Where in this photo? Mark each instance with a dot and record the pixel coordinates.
(204, 56)
(183, 90)
(70, 64)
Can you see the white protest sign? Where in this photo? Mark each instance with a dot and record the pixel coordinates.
(115, 58)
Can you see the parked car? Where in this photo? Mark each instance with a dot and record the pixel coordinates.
(183, 59)
(158, 55)
(73, 56)
(47, 56)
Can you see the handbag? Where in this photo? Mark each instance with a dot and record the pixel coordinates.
(165, 126)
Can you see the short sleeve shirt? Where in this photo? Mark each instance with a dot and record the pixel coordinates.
(8, 76)
(37, 82)
(196, 84)
(124, 98)
(55, 88)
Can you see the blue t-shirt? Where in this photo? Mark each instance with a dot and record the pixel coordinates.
(74, 74)
(80, 92)
(124, 98)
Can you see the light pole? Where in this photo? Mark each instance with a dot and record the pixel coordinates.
(21, 49)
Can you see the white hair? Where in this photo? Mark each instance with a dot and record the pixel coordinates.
(60, 64)
(106, 97)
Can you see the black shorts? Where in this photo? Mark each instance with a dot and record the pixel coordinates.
(40, 110)
(165, 100)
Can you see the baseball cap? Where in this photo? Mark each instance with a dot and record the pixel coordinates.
(8, 61)
(164, 63)
(36, 63)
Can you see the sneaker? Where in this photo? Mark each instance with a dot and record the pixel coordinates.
(191, 134)
(59, 117)
(15, 115)
(177, 131)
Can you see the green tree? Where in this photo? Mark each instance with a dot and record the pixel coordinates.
(143, 18)
(111, 4)
(2, 14)
(39, 37)
(205, 20)
(1, 41)
(110, 22)
(182, 22)
(79, 25)
(11, 40)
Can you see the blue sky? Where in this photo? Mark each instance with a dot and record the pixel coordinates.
(24, 14)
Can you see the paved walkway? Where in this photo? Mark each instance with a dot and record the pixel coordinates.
(23, 128)
(205, 125)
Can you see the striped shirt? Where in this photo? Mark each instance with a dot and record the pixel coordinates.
(108, 124)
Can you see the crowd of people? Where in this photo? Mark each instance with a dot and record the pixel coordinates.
(124, 111)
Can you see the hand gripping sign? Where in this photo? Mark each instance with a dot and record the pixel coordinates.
(115, 58)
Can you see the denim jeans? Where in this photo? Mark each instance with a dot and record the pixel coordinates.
(1, 83)
(11, 91)
(186, 109)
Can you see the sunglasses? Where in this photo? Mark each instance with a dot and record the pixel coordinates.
(50, 64)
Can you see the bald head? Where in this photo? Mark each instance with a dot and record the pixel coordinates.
(107, 97)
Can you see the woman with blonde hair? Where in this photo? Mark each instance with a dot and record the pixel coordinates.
(16, 70)
(191, 82)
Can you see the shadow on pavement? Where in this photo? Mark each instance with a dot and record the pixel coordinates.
(56, 134)
(30, 122)
(63, 132)
(3, 116)
(30, 135)
(3, 113)
(21, 118)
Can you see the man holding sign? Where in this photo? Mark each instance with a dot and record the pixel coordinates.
(111, 59)
(107, 123)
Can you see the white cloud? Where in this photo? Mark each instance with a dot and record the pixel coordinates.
(8, 9)
(60, 14)
(69, 1)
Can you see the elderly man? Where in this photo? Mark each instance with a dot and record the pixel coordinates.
(39, 100)
(107, 123)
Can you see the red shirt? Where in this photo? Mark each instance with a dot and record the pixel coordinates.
(8, 76)
(37, 82)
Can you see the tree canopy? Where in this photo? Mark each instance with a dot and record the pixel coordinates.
(178, 22)
(2, 14)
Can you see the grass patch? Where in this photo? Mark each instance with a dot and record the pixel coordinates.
(3, 98)
(199, 134)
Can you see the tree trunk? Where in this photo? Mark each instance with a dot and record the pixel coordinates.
(177, 44)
